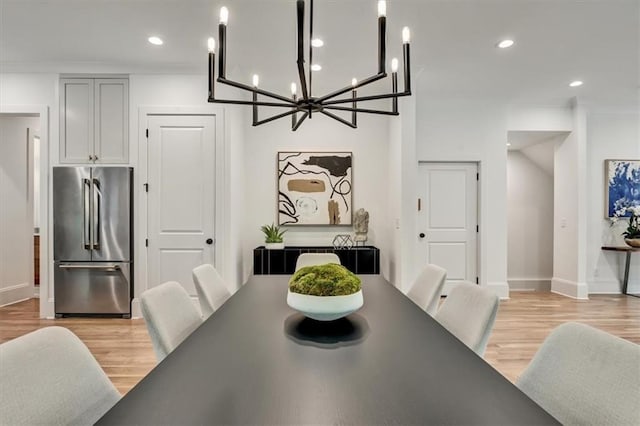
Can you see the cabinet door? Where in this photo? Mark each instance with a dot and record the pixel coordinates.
(76, 120)
(111, 141)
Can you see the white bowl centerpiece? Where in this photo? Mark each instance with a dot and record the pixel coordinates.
(325, 292)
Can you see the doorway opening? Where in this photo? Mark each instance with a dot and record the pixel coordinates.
(19, 221)
(530, 208)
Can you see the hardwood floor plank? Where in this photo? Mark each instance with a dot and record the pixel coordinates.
(123, 349)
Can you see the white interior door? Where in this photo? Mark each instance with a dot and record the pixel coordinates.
(181, 194)
(448, 219)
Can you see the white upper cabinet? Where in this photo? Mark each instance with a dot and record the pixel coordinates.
(94, 120)
(76, 120)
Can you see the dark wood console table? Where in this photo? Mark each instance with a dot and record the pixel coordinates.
(359, 260)
(627, 263)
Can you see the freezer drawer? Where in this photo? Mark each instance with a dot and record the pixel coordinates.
(92, 288)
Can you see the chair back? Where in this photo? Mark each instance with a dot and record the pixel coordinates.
(211, 288)
(469, 312)
(427, 288)
(50, 377)
(311, 259)
(582, 375)
(170, 316)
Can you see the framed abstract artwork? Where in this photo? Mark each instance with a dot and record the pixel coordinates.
(622, 186)
(314, 188)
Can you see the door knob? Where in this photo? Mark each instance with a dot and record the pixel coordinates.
(209, 241)
(421, 235)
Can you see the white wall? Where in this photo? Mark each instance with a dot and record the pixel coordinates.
(368, 144)
(186, 91)
(530, 224)
(474, 132)
(444, 131)
(145, 90)
(611, 135)
(402, 196)
(16, 216)
(569, 203)
(539, 118)
(37, 92)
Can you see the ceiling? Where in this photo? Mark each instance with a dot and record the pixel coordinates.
(453, 43)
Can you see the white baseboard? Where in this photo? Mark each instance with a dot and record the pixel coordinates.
(531, 284)
(136, 312)
(612, 287)
(570, 288)
(15, 293)
(633, 286)
(47, 308)
(499, 288)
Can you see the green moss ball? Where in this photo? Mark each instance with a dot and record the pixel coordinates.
(324, 280)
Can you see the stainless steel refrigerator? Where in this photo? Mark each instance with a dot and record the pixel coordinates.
(92, 240)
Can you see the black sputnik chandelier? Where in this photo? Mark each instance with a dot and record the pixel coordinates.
(304, 106)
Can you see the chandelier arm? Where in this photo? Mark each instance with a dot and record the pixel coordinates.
(222, 50)
(300, 61)
(394, 89)
(340, 119)
(382, 43)
(259, 103)
(367, 98)
(362, 110)
(299, 122)
(254, 89)
(349, 88)
(407, 67)
(275, 117)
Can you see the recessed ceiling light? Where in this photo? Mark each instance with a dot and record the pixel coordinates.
(155, 40)
(316, 42)
(508, 144)
(505, 43)
(316, 67)
(576, 83)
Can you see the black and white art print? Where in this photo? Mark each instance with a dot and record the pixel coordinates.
(314, 188)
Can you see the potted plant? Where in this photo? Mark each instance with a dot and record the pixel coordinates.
(325, 292)
(273, 236)
(632, 234)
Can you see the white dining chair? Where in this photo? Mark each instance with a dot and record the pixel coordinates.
(585, 376)
(469, 312)
(170, 316)
(211, 288)
(49, 377)
(311, 259)
(427, 288)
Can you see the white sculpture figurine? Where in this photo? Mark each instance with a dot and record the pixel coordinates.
(361, 226)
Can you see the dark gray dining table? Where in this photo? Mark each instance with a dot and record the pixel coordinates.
(257, 361)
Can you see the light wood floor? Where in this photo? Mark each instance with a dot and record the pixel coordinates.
(123, 349)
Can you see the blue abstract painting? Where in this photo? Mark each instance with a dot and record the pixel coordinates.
(623, 186)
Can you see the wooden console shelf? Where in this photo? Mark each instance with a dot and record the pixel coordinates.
(359, 260)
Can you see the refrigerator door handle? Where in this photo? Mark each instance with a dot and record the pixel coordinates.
(106, 268)
(97, 205)
(86, 208)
